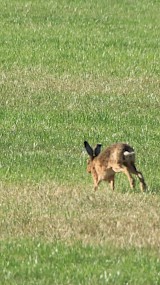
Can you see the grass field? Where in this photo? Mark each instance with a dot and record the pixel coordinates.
(72, 71)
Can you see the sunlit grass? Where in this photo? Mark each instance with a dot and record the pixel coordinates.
(51, 212)
(54, 235)
(72, 71)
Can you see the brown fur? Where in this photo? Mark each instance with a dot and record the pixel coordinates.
(119, 157)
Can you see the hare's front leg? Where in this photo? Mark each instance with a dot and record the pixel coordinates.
(111, 182)
(95, 178)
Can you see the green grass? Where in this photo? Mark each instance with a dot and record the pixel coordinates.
(72, 71)
(79, 37)
(36, 262)
(41, 140)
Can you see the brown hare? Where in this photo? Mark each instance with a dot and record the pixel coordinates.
(119, 157)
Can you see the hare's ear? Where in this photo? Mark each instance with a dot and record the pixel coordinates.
(88, 148)
(97, 149)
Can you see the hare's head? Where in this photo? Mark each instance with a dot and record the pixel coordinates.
(92, 154)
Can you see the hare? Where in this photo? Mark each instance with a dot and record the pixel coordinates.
(119, 157)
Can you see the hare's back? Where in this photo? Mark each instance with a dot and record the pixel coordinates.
(116, 153)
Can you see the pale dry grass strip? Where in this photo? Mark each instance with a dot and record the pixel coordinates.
(54, 212)
(35, 80)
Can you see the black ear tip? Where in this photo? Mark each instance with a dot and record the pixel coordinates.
(85, 143)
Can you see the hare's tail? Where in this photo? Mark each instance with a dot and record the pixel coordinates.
(129, 156)
(127, 153)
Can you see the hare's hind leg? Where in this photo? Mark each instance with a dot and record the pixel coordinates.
(143, 185)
